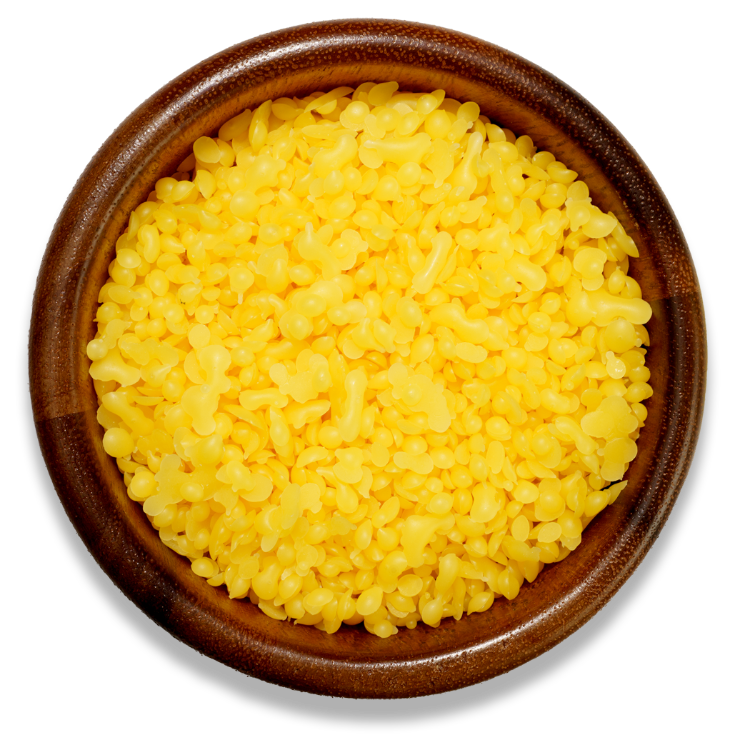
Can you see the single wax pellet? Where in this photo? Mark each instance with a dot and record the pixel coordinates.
(118, 442)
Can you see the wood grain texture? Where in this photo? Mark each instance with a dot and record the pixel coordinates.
(149, 145)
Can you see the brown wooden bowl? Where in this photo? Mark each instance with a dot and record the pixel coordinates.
(150, 144)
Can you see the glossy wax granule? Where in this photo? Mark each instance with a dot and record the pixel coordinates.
(368, 357)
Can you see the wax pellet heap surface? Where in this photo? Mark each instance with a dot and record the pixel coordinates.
(368, 357)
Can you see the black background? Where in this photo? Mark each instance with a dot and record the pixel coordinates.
(83, 628)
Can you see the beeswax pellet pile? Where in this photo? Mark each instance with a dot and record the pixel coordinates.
(368, 357)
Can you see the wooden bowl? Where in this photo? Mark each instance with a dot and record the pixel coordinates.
(150, 144)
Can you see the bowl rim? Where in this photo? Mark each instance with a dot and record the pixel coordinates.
(123, 544)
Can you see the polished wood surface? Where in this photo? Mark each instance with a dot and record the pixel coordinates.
(149, 145)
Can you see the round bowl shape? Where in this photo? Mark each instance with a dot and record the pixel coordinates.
(149, 145)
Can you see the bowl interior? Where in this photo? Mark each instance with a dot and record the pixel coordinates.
(149, 145)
